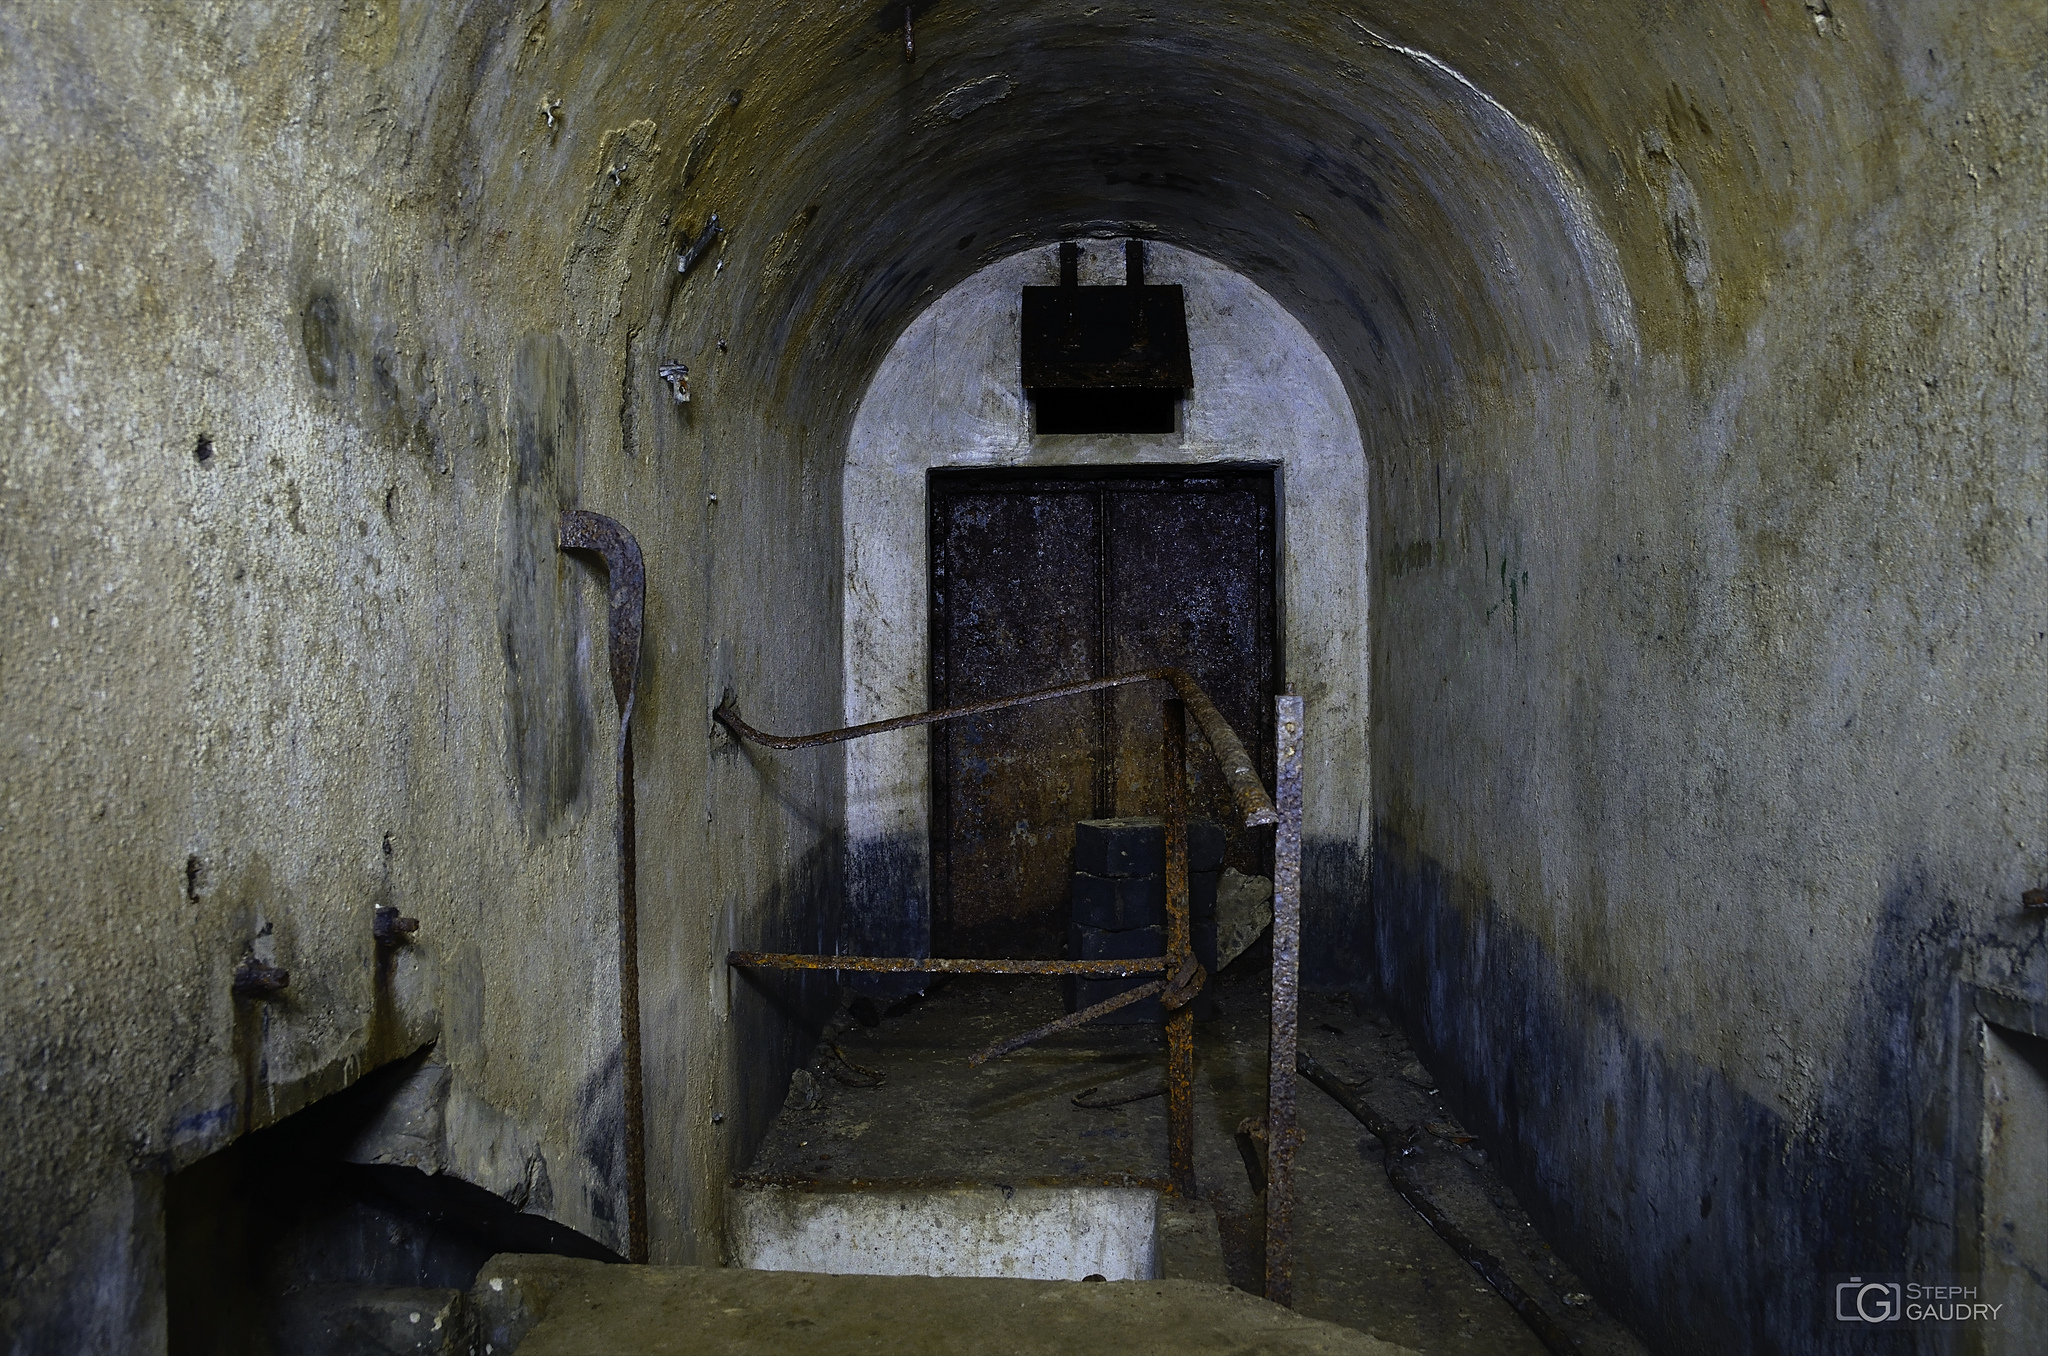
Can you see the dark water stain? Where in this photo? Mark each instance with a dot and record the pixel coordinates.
(324, 332)
(398, 400)
(887, 912)
(777, 1015)
(1704, 1218)
(601, 1141)
(1336, 916)
(541, 628)
(1347, 182)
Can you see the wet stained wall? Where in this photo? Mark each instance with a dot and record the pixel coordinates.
(1697, 358)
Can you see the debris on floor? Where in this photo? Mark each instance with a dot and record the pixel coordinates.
(1080, 1109)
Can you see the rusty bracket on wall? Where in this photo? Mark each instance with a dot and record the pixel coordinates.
(626, 575)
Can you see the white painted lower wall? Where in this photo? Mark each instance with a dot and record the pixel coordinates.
(1036, 1233)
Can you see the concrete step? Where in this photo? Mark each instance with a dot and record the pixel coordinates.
(555, 1306)
(1030, 1233)
(372, 1320)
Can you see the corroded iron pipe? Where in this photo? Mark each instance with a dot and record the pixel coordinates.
(1180, 1021)
(1490, 1268)
(1010, 1044)
(626, 578)
(1238, 773)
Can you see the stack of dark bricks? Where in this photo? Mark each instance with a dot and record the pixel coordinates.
(1119, 908)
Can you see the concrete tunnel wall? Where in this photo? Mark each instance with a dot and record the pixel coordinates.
(1699, 361)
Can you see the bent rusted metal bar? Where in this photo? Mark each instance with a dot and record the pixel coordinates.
(1175, 992)
(1282, 1135)
(948, 965)
(1245, 786)
(1180, 1022)
(1393, 1142)
(626, 575)
(1011, 1044)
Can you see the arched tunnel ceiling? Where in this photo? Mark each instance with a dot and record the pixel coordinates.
(1446, 197)
(1659, 541)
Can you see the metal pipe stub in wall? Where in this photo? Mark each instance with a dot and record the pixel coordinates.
(1182, 975)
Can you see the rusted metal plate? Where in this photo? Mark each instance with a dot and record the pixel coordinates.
(1040, 577)
(1190, 582)
(1010, 611)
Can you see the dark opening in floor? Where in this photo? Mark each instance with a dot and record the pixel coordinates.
(280, 1246)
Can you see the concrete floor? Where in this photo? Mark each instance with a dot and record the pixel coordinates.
(553, 1306)
(1365, 1259)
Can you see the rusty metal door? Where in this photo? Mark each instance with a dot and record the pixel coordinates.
(1041, 577)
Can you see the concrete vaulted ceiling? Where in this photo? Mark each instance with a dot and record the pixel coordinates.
(1699, 380)
(1446, 197)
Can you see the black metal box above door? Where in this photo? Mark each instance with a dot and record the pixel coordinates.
(1105, 359)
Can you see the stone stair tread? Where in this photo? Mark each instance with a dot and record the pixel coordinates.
(585, 1307)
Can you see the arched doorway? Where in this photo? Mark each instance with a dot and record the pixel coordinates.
(949, 399)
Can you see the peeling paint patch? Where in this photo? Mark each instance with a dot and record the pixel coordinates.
(958, 102)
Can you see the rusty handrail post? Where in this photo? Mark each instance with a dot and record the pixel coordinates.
(1180, 1018)
(1282, 1135)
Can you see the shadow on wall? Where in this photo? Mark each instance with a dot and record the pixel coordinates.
(778, 1015)
(548, 717)
(888, 911)
(1601, 1132)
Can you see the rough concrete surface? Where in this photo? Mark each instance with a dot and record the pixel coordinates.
(653, 1310)
(934, 1124)
(1699, 365)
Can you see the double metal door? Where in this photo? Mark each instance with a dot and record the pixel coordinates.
(1041, 577)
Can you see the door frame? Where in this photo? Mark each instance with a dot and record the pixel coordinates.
(1268, 474)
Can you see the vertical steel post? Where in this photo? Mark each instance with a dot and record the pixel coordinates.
(1180, 1021)
(1281, 1134)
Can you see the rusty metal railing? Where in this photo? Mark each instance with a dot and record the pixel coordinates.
(1181, 975)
